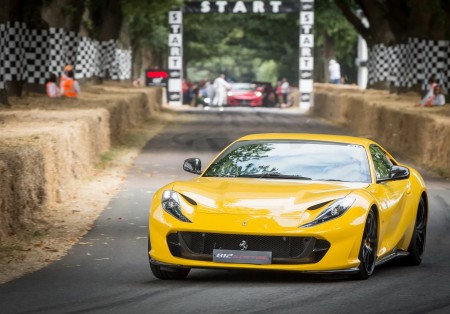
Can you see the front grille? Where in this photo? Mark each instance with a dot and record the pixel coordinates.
(285, 250)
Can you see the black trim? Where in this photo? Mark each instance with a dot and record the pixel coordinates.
(189, 200)
(345, 271)
(285, 249)
(317, 206)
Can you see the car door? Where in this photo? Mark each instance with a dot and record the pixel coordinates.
(391, 195)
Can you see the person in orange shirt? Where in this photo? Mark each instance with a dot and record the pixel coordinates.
(69, 87)
(67, 68)
(51, 87)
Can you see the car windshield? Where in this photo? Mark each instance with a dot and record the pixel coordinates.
(243, 86)
(300, 160)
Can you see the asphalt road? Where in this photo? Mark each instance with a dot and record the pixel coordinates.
(108, 271)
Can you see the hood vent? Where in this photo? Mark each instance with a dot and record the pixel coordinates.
(189, 200)
(317, 206)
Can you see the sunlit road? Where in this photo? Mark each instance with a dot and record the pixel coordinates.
(109, 272)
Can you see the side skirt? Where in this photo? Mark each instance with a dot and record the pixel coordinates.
(391, 256)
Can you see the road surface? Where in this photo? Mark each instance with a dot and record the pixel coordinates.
(108, 272)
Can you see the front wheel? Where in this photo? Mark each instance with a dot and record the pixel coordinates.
(368, 250)
(417, 245)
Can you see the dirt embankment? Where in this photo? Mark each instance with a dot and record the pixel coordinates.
(418, 134)
(48, 145)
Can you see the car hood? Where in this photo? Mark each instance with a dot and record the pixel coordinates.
(244, 93)
(260, 197)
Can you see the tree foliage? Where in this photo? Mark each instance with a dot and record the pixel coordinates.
(240, 44)
(147, 28)
(335, 38)
(211, 40)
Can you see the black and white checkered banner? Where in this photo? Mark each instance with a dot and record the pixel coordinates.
(306, 51)
(175, 62)
(2, 48)
(13, 63)
(30, 55)
(411, 63)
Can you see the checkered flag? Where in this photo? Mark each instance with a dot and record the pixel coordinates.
(2, 55)
(36, 55)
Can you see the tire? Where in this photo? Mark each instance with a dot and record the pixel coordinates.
(417, 246)
(169, 273)
(172, 273)
(368, 250)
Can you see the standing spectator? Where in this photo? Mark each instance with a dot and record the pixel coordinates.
(334, 70)
(51, 87)
(210, 92)
(185, 91)
(69, 87)
(279, 94)
(285, 91)
(220, 89)
(195, 88)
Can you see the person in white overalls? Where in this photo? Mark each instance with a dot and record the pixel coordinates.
(220, 87)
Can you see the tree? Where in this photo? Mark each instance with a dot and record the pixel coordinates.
(406, 22)
(236, 41)
(268, 37)
(148, 31)
(106, 19)
(335, 38)
(66, 14)
(394, 21)
(28, 11)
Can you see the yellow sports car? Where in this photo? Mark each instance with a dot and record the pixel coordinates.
(294, 202)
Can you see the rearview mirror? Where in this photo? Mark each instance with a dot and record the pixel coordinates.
(193, 165)
(399, 173)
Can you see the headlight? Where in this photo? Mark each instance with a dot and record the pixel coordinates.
(258, 94)
(334, 210)
(170, 202)
(230, 93)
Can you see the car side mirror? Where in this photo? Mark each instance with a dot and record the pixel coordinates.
(399, 173)
(193, 165)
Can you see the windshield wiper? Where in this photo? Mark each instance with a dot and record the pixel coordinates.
(334, 180)
(275, 175)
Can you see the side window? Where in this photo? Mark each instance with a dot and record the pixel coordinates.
(381, 162)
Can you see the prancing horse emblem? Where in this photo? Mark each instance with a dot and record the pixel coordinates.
(243, 245)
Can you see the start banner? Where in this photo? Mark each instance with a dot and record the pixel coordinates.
(241, 7)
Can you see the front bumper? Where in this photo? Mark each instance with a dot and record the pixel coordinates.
(343, 235)
(253, 102)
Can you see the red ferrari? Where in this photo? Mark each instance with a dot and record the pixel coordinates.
(245, 94)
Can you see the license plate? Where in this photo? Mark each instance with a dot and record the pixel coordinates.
(242, 257)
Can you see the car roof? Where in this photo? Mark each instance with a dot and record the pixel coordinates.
(308, 137)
